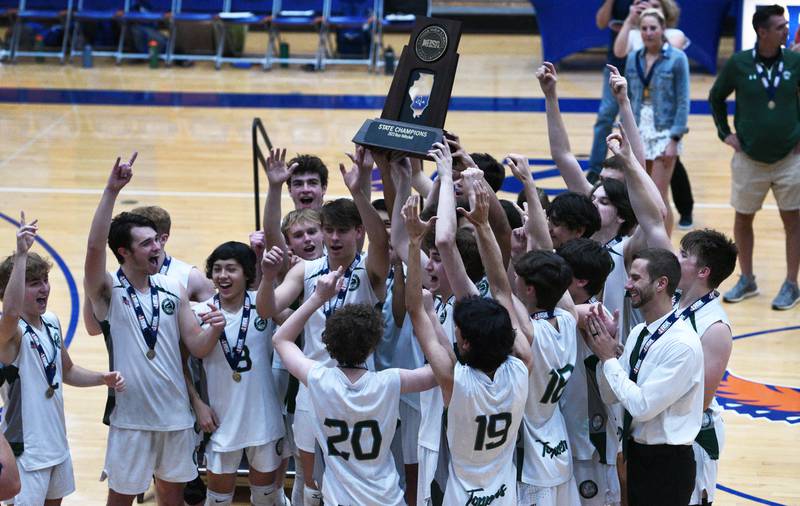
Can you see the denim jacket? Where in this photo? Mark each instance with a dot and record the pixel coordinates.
(669, 89)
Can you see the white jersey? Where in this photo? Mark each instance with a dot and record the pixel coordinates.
(155, 396)
(431, 401)
(614, 296)
(484, 416)
(358, 291)
(398, 347)
(355, 425)
(591, 424)
(700, 321)
(254, 397)
(547, 459)
(30, 418)
(177, 269)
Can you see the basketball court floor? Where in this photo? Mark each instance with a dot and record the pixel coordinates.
(62, 127)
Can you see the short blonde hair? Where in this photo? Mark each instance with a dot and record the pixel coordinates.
(298, 216)
(656, 14)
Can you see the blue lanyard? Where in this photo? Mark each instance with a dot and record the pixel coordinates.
(234, 356)
(662, 329)
(149, 332)
(543, 315)
(339, 301)
(48, 365)
(165, 266)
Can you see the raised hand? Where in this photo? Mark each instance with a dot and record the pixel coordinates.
(363, 158)
(415, 227)
(619, 145)
(277, 171)
(427, 299)
(258, 243)
(271, 262)
(115, 380)
(461, 159)
(442, 156)
(26, 234)
(519, 242)
(617, 83)
(328, 285)
(519, 167)
(548, 78)
(121, 174)
(479, 202)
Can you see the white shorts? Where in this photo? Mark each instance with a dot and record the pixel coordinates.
(409, 432)
(565, 494)
(706, 478)
(303, 428)
(263, 458)
(49, 483)
(426, 472)
(598, 484)
(133, 457)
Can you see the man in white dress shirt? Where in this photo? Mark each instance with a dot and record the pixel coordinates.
(659, 382)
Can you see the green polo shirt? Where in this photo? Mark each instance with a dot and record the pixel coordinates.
(766, 135)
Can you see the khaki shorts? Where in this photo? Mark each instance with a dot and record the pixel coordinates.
(751, 180)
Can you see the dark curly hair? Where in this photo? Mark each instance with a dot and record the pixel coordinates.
(352, 333)
(119, 233)
(309, 164)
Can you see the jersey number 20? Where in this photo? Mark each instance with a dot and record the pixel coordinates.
(355, 439)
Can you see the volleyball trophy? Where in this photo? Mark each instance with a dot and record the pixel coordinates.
(416, 106)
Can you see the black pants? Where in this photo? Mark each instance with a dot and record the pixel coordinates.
(660, 475)
(681, 190)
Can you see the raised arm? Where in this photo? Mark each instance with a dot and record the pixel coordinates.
(441, 358)
(446, 226)
(603, 15)
(621, 44)
(419, 181)
(277, 175)
(651, 232)
(14, 296)
(378, 249)
(536, 225)
(495, 271)
(271, 301)
(560, 149)
(619, 87)
(284, 338)
(97, 282)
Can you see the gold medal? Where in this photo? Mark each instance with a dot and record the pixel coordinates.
(771, 104)
(646, 93)
(50, 392)
(237, 377)
(151, 354)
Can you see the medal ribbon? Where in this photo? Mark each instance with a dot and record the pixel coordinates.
(655, 336)
(699, 303)
(770, 82)
(234, 357)
(543, 315)
(613, 242)
(339, 301)
(149, 332)
(165, 266)
(649, 77)
(48, 365)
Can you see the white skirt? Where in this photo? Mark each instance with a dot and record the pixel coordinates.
(655, 141)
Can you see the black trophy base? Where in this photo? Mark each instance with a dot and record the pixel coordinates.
(413, 140)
